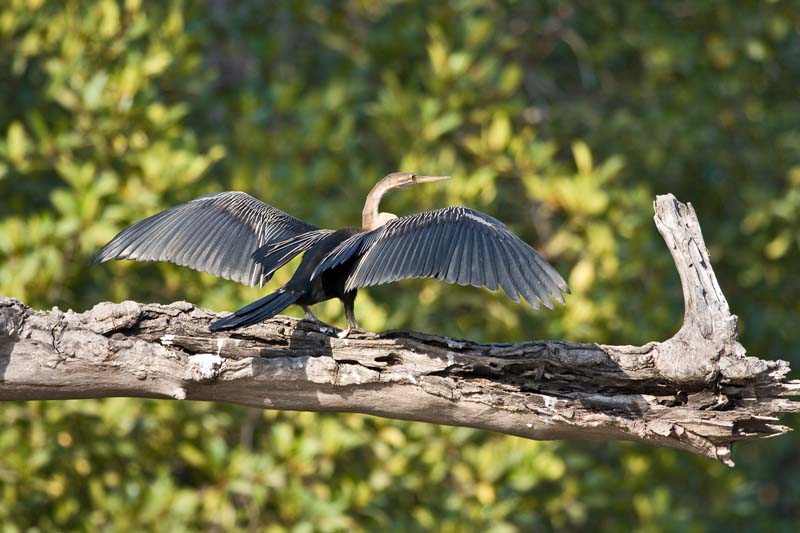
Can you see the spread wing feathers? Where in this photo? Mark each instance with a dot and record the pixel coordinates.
(216, 233)
(275, 255)
(455, 244)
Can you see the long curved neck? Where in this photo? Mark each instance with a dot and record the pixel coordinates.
(370, 218)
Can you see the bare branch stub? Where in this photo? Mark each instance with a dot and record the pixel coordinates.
(708, 328)
(696, 391)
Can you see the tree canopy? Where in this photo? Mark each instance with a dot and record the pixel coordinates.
(562, 119)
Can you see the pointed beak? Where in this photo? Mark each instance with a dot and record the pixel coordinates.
(429, 179)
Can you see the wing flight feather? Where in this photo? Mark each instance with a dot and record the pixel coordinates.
(456, 244)
(216, 233)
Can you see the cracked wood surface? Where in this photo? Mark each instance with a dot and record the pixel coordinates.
(696, 391)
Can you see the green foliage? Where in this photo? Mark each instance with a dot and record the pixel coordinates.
(563, 119)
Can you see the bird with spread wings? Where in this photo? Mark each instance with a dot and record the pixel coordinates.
(237, 237)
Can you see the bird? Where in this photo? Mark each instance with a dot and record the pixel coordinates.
(234, 236)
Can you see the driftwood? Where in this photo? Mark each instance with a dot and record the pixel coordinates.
(696, 391)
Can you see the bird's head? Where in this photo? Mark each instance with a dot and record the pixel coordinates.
(401, 180)
(370, 216)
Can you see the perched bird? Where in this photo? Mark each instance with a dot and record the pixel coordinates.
(234, 236)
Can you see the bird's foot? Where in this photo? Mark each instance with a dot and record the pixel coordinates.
(347, 332)
(327, 329)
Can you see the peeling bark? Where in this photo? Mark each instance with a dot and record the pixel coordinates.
(696, 391)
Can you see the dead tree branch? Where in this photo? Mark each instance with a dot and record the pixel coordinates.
(696, 391)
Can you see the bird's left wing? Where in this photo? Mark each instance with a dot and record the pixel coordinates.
(455, 244)
(217, 233)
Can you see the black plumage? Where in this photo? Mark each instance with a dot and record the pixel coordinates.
(455, 244)
(235, 236)
(301, 289)
(216, 233)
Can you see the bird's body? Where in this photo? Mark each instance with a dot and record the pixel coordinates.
(331, 283)
(235, 236)
(303, 288)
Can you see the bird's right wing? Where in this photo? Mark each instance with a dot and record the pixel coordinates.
(217, 233)
(454, 244)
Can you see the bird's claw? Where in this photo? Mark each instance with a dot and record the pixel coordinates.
(327, 330)
(346, 332)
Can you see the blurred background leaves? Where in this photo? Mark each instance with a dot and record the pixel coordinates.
(561, 118)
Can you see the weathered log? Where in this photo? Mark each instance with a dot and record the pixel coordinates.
(696, 391)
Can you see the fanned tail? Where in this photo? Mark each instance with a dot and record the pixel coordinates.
(258, 311)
